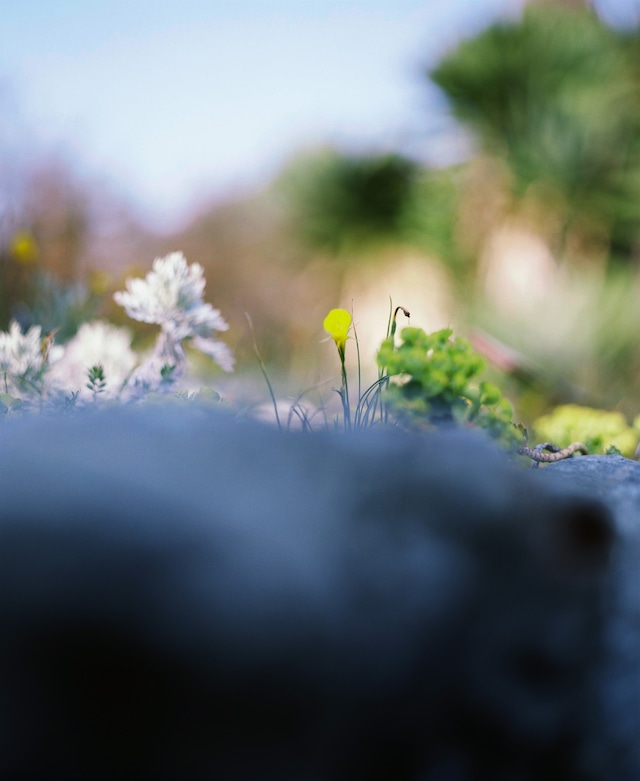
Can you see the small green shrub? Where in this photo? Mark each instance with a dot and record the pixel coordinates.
(601, 431)
(433, 381)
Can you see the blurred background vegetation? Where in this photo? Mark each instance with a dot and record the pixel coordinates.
(530, 248)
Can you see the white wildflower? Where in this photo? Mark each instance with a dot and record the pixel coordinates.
(21, 359)
(159, 370)
(95, 343)
(219, 351)
(171, 295)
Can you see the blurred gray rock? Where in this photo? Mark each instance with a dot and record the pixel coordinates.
(616, 481)
(183, 596)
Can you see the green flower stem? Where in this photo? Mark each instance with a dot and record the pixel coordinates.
(344, 392)
(355, 336)
(263, 369)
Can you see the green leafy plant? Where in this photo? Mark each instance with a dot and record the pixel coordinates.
(602, 431)
(97, 382)
(432, 381)
(427, 380)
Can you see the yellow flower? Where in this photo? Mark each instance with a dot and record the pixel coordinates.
(99, 281)
(337, 324)
(24, 249)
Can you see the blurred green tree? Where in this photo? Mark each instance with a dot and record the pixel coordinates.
(344, 203)
(556, 95)
(351, 208)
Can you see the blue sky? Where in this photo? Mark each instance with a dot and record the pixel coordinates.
(175, 99)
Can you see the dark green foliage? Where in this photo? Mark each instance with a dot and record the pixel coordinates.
(344, 202)
(434, 385)
(557, 95)
(97, 381)
(167, 372)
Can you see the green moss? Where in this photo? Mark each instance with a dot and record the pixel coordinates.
(600, 430)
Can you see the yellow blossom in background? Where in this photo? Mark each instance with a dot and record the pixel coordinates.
(99, 281)
(337, 324)
(24, 249)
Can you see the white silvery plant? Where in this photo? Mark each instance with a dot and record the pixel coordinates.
(23, 361)
(95, 343)
(171, 296)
